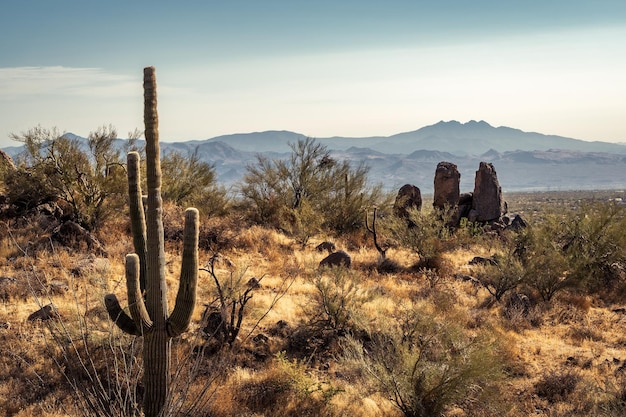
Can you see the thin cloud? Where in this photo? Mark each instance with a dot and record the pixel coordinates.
(22, 82)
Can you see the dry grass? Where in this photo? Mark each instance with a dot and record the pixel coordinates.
(568, 359)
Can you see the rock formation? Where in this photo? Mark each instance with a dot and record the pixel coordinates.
(336, 259)
(487, 202)
(447, 179)
(409, 197)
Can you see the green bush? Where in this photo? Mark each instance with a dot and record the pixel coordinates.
(584, 249)
(594, 241)
(337, 301)
(501, 276)
(190, 182)
(541, 254)
(427, 234)
(89, 176)
(278, 190)
(425, 363)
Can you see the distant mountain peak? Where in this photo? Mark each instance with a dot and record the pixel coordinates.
(456, 123)
(480, 123)
(491, 153)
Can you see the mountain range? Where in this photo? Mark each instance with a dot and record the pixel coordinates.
(523, 160)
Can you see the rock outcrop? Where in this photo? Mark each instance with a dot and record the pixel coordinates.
(447, 180)
(487, 202)
(409, 197)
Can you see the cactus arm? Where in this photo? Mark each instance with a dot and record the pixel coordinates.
(137, 217)
(119, 317)
(156, 288)
(136, 304)
(186, 296)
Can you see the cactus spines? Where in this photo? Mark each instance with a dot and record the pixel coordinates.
(145, 269)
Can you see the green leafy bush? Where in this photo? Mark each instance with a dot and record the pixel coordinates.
(427, 233)
(425, 363)
(282, 190)
(584, 249)
(336, 303)
(542, 256)
(89, 176)
(190, 182)
(594, 241)
(504, 274)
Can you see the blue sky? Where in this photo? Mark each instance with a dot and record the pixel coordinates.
(322, 68)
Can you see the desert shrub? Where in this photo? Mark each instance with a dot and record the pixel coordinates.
(348, 196)
(594, 241)
(522, 311)
(425, 363)
(428, 233)
(26, 189)
(190, 182)
(544, 261)
(279, 190)
(501, 276)
(583, 248)
(88, 175)
(614, 402)
(286, 389)
(336, 303)
(580, 333)
(302, 223)
(557, 386)
(6, 165)
(224, 314)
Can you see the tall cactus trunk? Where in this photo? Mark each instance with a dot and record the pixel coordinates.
(156, 359)
(156, 347)
(145, 270)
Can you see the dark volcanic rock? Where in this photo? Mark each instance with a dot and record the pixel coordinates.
(409, 197)
(487, 203)
(447, 180)
(339, 258)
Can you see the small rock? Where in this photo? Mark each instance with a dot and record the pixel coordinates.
(325, 246)
(44, 313)
(336, 259)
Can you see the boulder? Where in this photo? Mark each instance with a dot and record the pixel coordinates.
(7, 280)
(336, 259)
(517, 224)
(487, 202)
(325, 246)
(409, 197)
(481, 260)
(72, 234)
(44, 313)
(447, 180)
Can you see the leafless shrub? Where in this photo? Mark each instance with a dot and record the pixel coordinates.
(557, 386)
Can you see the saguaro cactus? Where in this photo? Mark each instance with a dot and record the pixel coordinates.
(145, 269)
